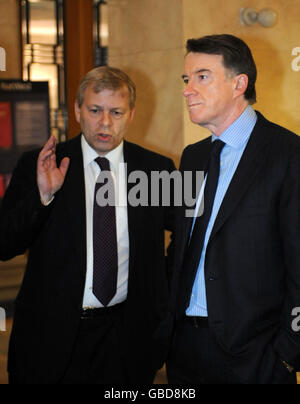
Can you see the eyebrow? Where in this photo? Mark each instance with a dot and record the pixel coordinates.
(197, 72)
(101, 107)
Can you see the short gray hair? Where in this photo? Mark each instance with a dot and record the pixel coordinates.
(106, 78)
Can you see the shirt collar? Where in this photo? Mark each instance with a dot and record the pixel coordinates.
(115, 157)
(238, 134)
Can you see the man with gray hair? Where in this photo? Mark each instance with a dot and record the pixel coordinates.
(96, 285)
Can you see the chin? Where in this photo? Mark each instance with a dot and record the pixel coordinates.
(105, 150)
(195, 118)
(198, 120)
(102, 146)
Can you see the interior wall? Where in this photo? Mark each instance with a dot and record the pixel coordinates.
(146, 41)
(278, 83)
(10, 38)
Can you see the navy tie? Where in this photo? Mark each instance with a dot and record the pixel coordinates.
(194, 250)
(105, 274)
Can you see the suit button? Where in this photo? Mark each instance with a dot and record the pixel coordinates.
(212, 279)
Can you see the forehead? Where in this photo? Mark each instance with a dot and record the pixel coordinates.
(119, 96)
(195, 62)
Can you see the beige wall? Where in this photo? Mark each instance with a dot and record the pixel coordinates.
(10, 38)
(147, 39)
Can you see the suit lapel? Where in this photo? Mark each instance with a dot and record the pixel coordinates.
(134, 219)
(197, 162)
(74, 197)
(249, 167)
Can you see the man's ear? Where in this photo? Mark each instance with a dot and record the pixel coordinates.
(77, 111)
(242, 82)
(132, 113)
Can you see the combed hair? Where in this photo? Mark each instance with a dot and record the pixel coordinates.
(106, 78)
(237, 57)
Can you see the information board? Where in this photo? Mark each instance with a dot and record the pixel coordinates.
(24, 123)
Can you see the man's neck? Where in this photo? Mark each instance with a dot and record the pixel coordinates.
(217, 130)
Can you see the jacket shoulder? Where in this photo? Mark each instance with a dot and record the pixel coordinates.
(195, 155)
(196, 147)
(278, 135)
(149, 157)
(61, 148)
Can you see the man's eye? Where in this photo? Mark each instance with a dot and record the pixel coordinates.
(94, 111)
(186, 81)
(116, 113)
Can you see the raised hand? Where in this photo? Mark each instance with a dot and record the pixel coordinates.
(50, 178)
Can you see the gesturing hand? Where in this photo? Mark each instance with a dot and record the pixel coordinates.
(50, 178)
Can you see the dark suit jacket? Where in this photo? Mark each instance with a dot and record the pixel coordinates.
(47, 309)
(252, 268)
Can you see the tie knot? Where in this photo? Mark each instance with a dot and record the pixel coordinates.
(103, 163)
(217, 147)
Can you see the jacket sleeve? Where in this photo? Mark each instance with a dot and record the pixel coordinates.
(22, 213)
(175, 213)
(169, 212)
(287, 343)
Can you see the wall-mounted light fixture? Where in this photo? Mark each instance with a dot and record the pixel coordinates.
(266, 17)
(101, 32)
(2, 60)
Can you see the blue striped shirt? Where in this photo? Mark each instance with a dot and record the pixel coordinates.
(236, 138)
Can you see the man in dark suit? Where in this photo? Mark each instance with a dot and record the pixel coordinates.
(96, 285)
(236, 268)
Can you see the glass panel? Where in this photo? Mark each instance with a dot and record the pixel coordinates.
(44, 72)
(42, 22)
(103, 25)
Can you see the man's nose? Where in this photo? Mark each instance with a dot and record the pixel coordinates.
(105, 119)
(189, 90)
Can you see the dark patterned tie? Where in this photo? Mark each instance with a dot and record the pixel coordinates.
(194, 250)
(105, 274)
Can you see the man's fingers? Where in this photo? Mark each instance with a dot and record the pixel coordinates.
(50, 145)
(49, 148)
(47, 157)
(64, 166)
(48, 152)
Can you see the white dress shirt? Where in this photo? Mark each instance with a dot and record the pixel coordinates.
(91, 173)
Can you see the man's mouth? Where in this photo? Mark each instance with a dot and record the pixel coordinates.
(195, 105)
(104, 137)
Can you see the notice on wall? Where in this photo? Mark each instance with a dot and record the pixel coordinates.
(5, 125)
(24, 123)
(30, 118)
